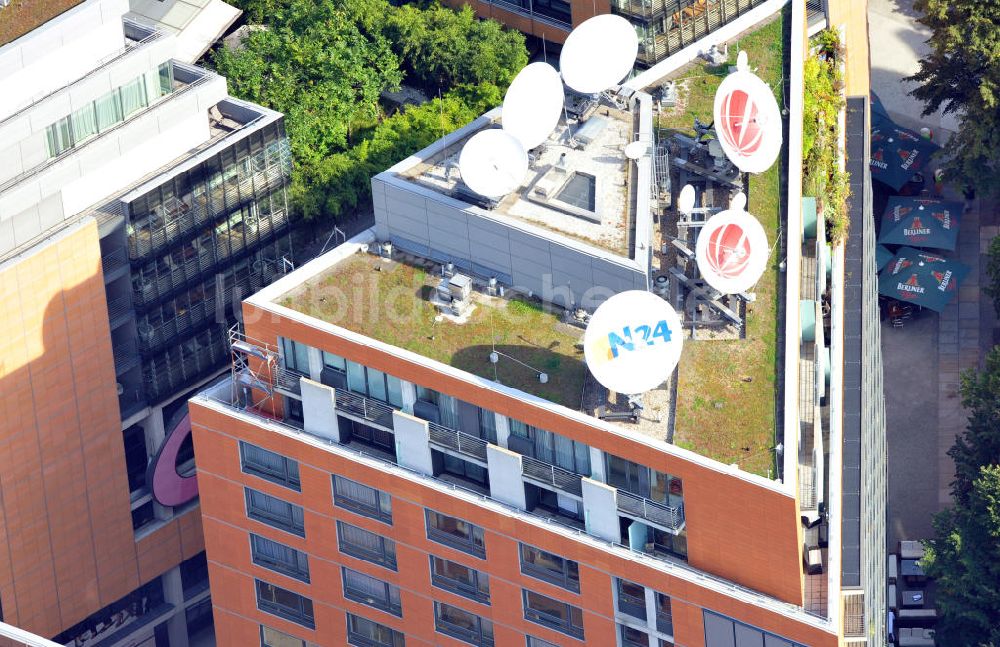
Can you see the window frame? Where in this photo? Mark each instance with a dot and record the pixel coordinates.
(386, 603)
(564, 580)
(475, 636)
(385, 561)
(287, 636)
(307, 620)
(299, 572)
(271, 520)
(470, 546)
(478, 589)
(285, 479)
(360, 640)
(545, 619)
(383, 511)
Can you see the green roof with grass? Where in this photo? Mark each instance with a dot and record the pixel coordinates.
(390, 301)
(22, 16)
(725, 406)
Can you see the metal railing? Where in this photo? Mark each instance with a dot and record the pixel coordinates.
(665, 516)
(557, 477)
(118, 307)
(287, 379)
(457, 441)
(369, 410)
(114, 259)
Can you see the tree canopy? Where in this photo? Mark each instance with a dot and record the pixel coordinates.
(964, 556)
(325, 64)
(961, 75)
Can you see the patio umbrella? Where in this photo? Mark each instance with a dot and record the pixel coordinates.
(920, 222)
(878, 108)
(882, 256)
(921, 278)
(896, 152)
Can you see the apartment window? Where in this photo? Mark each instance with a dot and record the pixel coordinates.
(455, 532)
(721, 631)
(285, 604)
(270, 466)
(365, 633)
(336, 362)
(644, 481)
(554, 614)
(362, 499)
(631, 599)
(465, 470)
(664, 614)
(136, 458)
(538, 642)
(462, 624)
(549, 447)
(374, 383)
(270, 637)
(371, 591)
(295, 356)
(631, 637)
(552, 568)
(366, 545)
(275, 512)
(460, 579)
(279, 558)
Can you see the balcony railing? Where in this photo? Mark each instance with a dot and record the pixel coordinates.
(551, 475)
(287, 380)
(457, 441)
(369, 410)
(114, 259)
(119, 307)
(668, 517)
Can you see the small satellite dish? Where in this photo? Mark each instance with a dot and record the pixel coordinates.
(599, 53)
(732, 251)
(533, 104)
(739, 202)
(742, 63)
(748, 122)
(685, 201)
(635, 150)
(493, 163)
(633, 342)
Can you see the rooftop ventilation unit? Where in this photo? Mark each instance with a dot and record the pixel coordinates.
(591, 130)
(453, 294)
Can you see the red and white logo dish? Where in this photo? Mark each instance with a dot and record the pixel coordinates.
(748, 122)
(732, 251)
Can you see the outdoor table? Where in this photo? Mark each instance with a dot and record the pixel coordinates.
(913, 599)
(911, 572)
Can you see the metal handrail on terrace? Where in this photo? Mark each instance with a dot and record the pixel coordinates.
(364, 407)
(32, 172)
(287, 379)
(458, 441)
(557, 477)
(667, 516)
(741, 592)
(530, 13)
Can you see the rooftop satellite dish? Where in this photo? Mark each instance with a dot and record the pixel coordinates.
(739, 202)
(633, 342)
(533, 104)
(742, 63)
(493, 163)
(685, 201)
(599, 53)
(748, 121)
(732, 251)
(635, 150)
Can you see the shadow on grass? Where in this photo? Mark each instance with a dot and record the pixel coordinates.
(519, 366)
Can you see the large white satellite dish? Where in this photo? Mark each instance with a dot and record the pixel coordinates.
(493, 163)
(748, 121)
(635, 150)
(633, 342)
(533, 103)
(732, 251)
(686, 199)
(599, 53)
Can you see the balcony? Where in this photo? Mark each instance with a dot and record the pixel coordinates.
(669, 518)
(288, 380)
(457, 441)
(551, 476)
(113, 260)
(364, 409)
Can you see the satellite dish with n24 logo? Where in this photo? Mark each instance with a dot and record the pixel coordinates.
(633, 342)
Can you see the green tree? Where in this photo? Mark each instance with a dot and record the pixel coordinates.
(979, 445)
(993, 273)
(961, 75)
(964, 560)
(442, 48)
